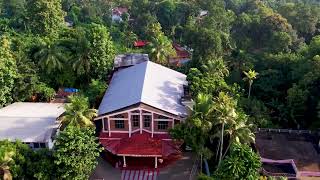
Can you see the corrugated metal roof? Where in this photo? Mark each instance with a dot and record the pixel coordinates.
(29, 122)
(147, 83)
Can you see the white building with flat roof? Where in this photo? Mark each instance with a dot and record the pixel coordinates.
(32, 123)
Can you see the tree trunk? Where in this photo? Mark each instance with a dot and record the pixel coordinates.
(221, 144)
(201, 163)
(250, 84)
(206, 167)
(217, 152)
(225, 152)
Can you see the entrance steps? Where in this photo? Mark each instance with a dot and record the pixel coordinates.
(145, 174)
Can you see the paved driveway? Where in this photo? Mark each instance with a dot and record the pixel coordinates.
(104, 171)
(179, 170)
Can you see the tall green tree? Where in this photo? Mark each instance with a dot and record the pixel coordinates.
(196, 130)
(239, 132)
(50, 57)
(92, 51)
(42, 165)
(76, 153)
(209, 78)
(209, 35)
(13, 8)
(45, 17)
(304, 17)
(160, 48)
(27, 79)
(241, 163)
(102, 51)
(8, 71)
(18, 160)
(142, 13)
(5, 160)
(81, 52)
(259, 28)
(95, 92)
(166, 15)
(224, 113)
(250, 76)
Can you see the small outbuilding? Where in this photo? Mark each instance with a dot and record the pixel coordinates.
(35, 124)
(130, 59)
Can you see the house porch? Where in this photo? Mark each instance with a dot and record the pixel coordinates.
(140, 150)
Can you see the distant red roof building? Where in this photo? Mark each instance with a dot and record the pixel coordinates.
(181, 52)
(117, 12)
(182, 55)
(140, 43)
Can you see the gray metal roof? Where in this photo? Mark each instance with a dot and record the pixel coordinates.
(29, 122)
(147, 83)
(124, 60)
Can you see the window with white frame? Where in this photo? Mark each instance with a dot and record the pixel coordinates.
(36, 145)
(119, 124)
(163, 125)
(135, 120)
(42, 145)
(146, 120)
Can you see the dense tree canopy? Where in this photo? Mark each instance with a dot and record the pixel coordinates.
(44, 17)
(8, 71)
(241, 163)
(77, 152)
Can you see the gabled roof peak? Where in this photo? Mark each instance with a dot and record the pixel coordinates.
(147, 83)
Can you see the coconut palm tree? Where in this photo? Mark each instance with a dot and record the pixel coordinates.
(216, 67)
(78, 113)
(224, 113)
(80, 58)
(50, 56)
(201, 118)
(160, 49)
(5, 160)
(250, 76)
(239, 132)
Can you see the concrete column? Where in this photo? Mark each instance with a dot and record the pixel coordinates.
(124, 162)
(109, 129)
(172, 123)
(129, 123)
(156, 162)
(103, 125)
(140, 121)
(152, 125)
